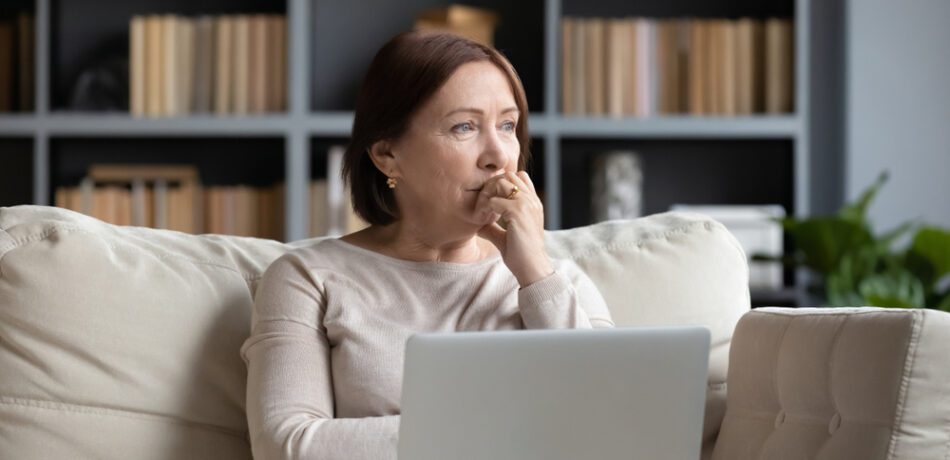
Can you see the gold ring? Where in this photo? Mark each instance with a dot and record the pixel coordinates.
(514, 192)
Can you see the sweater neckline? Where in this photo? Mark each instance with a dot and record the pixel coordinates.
(413, 263)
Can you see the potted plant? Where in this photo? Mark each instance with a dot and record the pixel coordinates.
(856, 267)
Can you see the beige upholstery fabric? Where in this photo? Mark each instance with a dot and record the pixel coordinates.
(672, 268)
(121, 342)
(838, 383)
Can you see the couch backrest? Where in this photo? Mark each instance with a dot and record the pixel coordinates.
(830, 383)
(122, 342)
(671, 268)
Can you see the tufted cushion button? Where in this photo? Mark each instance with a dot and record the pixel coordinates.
(834, 423)
(780, 418)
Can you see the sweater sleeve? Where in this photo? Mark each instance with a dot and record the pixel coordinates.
(566, 299)
(290, 404)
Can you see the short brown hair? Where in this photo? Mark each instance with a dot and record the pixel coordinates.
(404, 74)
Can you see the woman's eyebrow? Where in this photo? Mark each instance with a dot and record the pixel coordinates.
(479, 111)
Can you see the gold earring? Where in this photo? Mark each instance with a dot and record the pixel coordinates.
(391, 182)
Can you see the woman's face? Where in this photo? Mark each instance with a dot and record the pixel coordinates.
(464, 135)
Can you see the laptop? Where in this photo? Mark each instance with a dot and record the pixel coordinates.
(624, 393)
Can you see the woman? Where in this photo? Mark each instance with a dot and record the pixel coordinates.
(439, 146)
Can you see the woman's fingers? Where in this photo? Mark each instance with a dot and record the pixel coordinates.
(494, 233)
(504, 185)
(523, 175)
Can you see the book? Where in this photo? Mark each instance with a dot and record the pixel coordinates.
(728, 90)
(667, 62)
(224, 65)
(779, 72)
(185, 61)
(203, 65)
(714, 82)
(578, 74)
(257, 64)
(645, 67)
(241, 61)
(683, 32)
(567, 64)
(628, 27)
(697, 67)
(745, 54)
(137, 66)
(318, 208)
(170, 66)
(594, 66)
(138, 203)
(280, 67)
(615, 84)
(160, 200)
(154, 66)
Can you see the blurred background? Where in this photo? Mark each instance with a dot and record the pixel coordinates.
(231, 116)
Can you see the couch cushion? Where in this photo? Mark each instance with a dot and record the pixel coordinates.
(832, 383)
(122, 342)
(670, 268)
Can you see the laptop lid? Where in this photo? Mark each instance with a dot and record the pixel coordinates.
(624, 393)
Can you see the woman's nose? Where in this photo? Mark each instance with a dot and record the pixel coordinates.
(492, 157)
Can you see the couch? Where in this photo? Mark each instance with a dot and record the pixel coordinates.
(122, 342)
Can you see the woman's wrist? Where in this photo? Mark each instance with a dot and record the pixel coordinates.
(534, 274)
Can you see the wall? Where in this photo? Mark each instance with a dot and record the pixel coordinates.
(897, 107)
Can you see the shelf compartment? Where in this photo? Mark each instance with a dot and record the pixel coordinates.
(337, 71)
(221, 162)
(92, 32)
(693, 171)
(16, 173)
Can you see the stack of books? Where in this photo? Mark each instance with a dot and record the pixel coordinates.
(647, 67)
(172, 197)
(17, 55)
(223, 65)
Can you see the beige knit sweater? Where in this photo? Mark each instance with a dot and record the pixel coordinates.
(329, 326)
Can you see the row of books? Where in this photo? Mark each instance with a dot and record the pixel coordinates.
(646, 67)
(17, 63)
(231, 210)
(231, 64)
(171, 196)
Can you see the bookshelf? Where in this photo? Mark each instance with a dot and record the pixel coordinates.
(692, 160)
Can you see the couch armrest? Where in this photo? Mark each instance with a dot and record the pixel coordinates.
(838, 383)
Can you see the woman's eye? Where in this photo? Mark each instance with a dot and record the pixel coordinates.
(509, 125)
(463, 127)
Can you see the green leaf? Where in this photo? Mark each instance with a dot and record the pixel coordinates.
(825, 240)
(856, 212)
(840, 291)
(944, 304)
(933, 244)
(893, 289)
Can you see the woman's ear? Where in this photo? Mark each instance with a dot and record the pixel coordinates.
(381, 154)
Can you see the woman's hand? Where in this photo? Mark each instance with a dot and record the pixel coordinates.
(512, 198)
